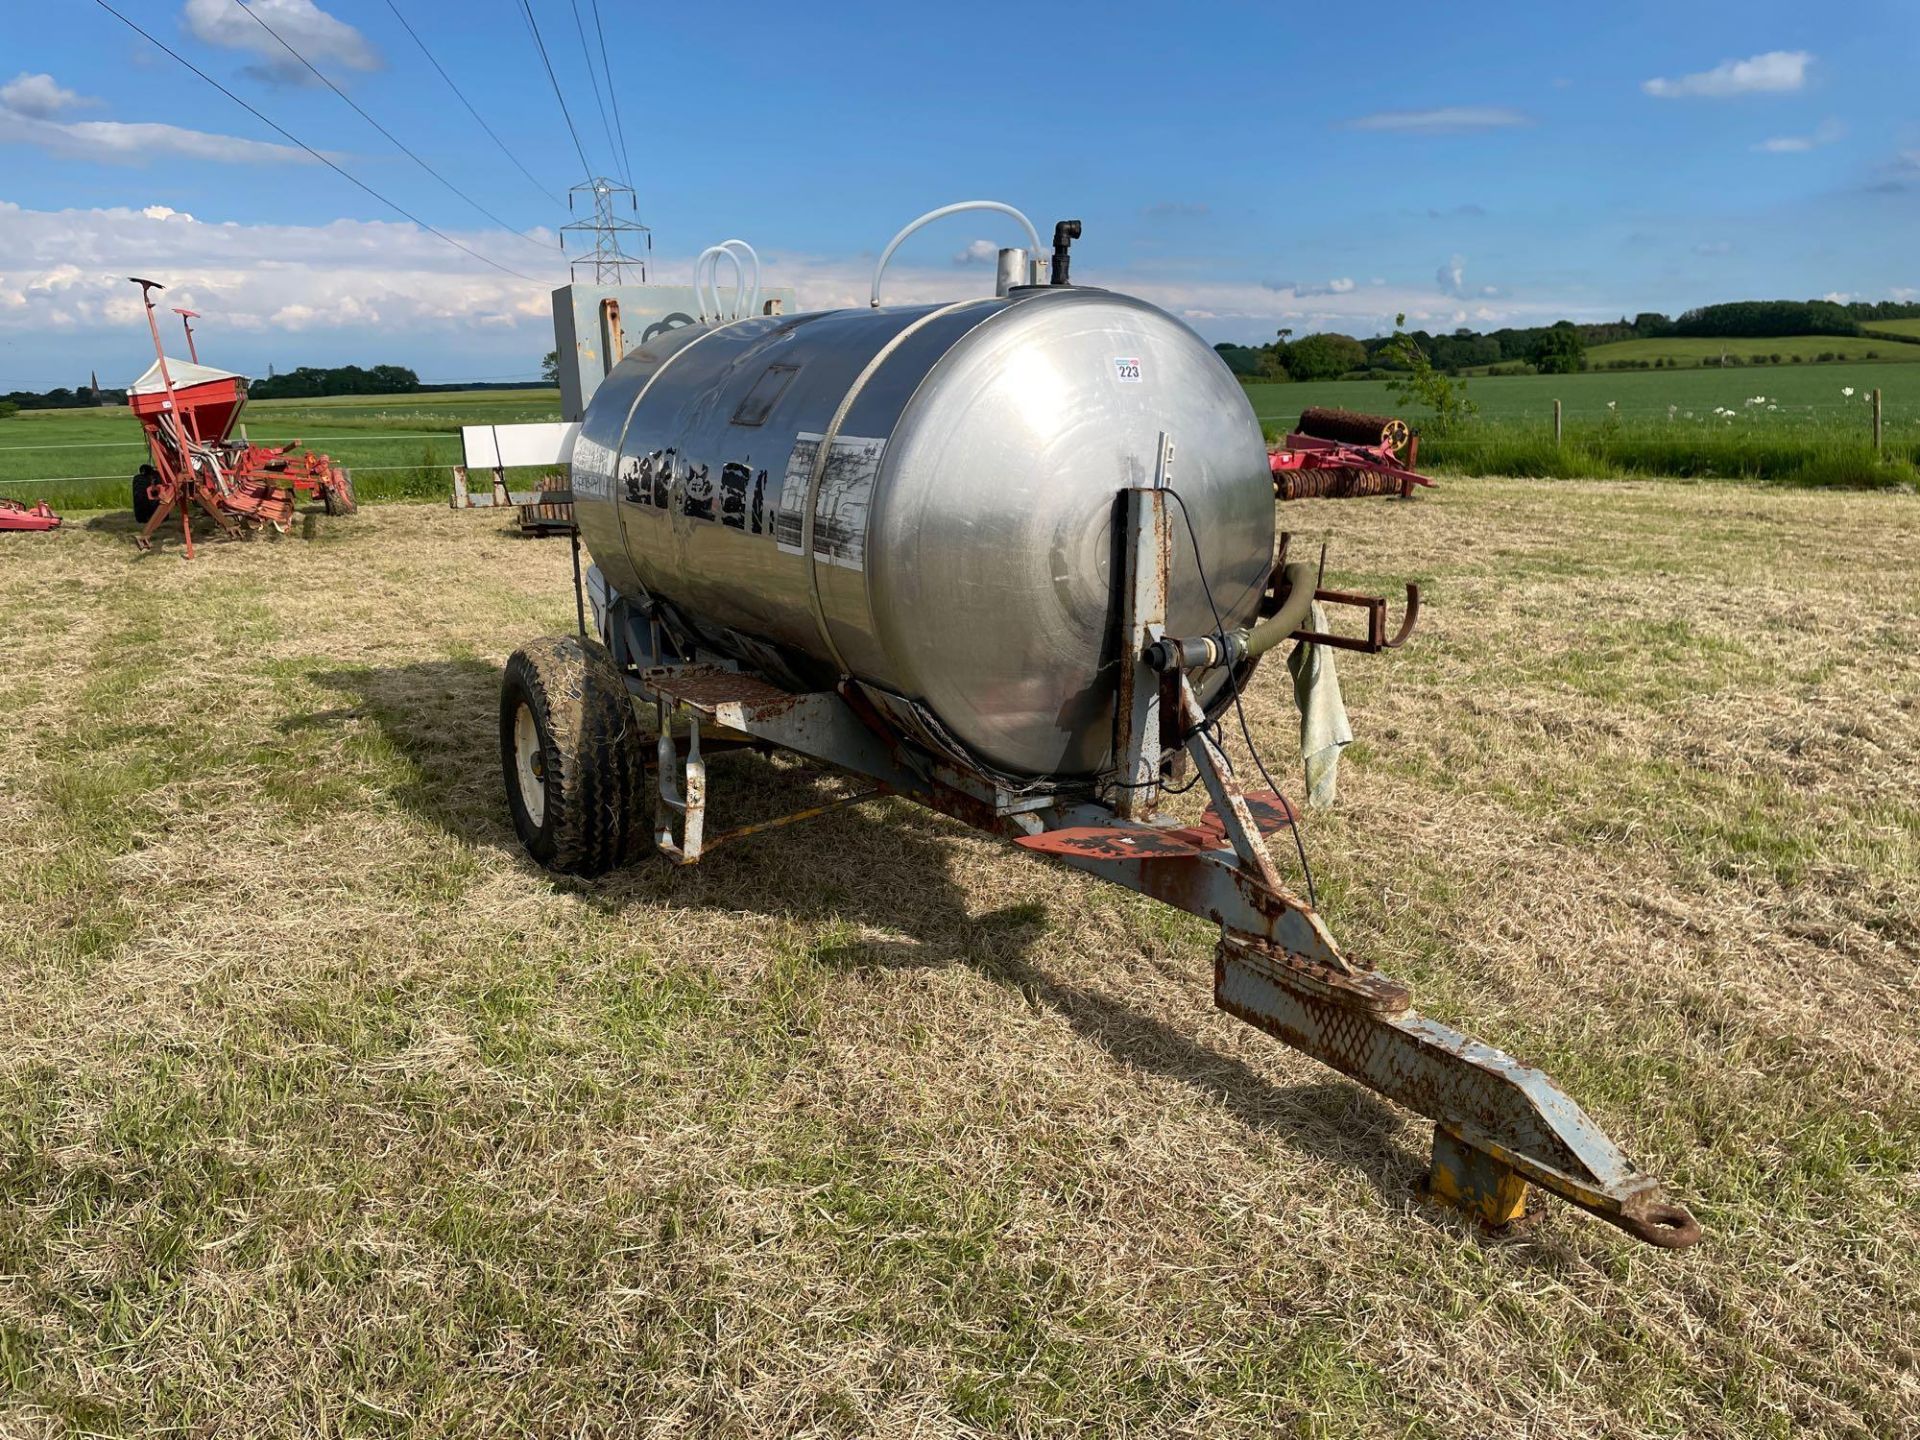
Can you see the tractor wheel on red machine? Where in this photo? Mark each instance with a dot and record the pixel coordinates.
(144, 500)
(572, 756)
(338, 498)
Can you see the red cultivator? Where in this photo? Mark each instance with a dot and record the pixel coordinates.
(1338, 454)
(189, 411)
(17, 515)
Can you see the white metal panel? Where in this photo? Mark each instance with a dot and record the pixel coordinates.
(184, 373)
(490, 446)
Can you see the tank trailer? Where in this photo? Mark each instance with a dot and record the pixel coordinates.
(1011, 558)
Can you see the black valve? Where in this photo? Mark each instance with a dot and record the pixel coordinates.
(1065, 232)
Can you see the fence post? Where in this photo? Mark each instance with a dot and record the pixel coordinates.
(1556, 424)
(1878, 432)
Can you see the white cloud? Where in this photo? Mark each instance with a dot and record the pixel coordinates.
(1838, 297)
(1825, 133)
(113, 142)
(978, 252)
(321, 37)
(373, 287)
(1294, 289)
(1777, 72)
(376, 291)
(1444, 120)
(1452, 276)
(39, 96)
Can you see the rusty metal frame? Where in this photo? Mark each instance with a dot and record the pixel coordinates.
(1500, 1126)
(1375, 607)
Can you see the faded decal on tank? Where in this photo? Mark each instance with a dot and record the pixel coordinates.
(793, 492)
(734, 480)
(846, 494)
(696, 496)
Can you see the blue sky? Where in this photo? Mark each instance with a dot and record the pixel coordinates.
(1247, 165)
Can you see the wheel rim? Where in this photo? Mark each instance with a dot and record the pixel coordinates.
(530, 766)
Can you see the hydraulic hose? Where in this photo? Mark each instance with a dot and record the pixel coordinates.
(1208, 652)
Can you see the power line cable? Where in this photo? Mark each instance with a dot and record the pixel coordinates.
(297, 141)
(619, 125)
(586, 168)
(469, 104)
(397, 143)
(586, 54)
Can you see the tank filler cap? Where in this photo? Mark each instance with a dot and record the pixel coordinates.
(1065, 232)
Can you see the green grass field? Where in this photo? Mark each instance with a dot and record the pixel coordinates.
(1694, 352)
(1804, 393)
(1908, 328)
(1805, 429)
(396, 445)
(1792, 424)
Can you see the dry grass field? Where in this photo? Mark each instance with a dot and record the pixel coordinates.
(322, 1112)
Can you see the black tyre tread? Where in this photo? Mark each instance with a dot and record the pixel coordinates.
(347, 503)
(143, 502)
(595, 761)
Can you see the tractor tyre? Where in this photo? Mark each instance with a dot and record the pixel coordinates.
(572, 756)
(338, 498)
(144, 503)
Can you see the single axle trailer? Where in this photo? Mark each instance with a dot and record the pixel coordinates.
(945, 550)
(580, 785)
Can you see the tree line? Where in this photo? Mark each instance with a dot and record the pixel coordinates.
(1559, 348)
(309, 381)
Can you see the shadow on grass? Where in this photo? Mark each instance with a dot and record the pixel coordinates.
(303, 526)
(886, 865)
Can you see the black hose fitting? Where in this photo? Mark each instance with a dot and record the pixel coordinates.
(1065, 232)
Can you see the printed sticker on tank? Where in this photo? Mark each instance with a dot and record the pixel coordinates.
(1126, 369)
(846, 494)
(793, 492)
(845, 497)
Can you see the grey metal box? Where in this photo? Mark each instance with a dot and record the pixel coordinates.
(591, 334)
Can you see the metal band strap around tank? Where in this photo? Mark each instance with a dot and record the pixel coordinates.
(633, 406)
(820, 467)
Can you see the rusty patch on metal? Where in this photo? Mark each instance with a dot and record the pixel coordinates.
(1366, 990)
(1102, 842)
(707, 688)
(1270, 812)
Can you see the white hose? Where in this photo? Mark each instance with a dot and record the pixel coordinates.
(885, 255)
(752, 305)
(709, 261)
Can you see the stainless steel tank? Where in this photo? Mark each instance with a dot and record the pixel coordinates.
(924, 498)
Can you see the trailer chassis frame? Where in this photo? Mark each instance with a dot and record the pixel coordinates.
(1499, 1125)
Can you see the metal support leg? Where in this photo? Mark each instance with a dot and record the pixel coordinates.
(691, 803)
(1501, 1124)
(1473, 1181)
